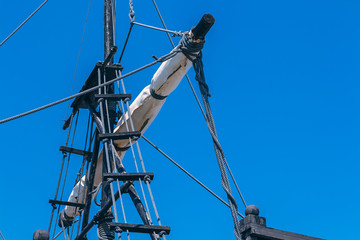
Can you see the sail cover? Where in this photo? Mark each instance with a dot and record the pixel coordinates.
(144, 108)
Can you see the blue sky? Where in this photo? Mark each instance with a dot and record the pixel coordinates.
(284, 79)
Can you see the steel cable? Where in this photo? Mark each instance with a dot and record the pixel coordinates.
(187, 173)
(113, 158)
(198, 102)
(27, 19)
(65, 177)
(132, 147)
(143, 166)
(106, 144)
(200, 77)
(78, 178)
(163, 58)
(61, 170)
(78, 58)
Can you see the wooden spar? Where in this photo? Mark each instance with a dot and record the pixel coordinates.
(143, 111)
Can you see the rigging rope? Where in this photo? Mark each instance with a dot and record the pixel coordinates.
(64, 181)
(187, 173)
(80, 173)
(114, 163)
(132, 147)
(78, 58)
(163, 22)
(131, 12)
(61, 170)
(132, 19)
(198, 101)
(142, 164)
(176, 33)
(126, 41)
(27, 19)
(106, 147)
(162, 59)
(204, 89)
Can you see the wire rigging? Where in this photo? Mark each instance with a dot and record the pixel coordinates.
(112, 152)
(187, 173)
(65, 177)
(132, 23)
(148, 215)
(204, 89)
(61, 170)
(106, 145)
(27, 19)
(208, 116)
(85, 158)
(78, 57)
(198, 102)
(126, 41)
(176, 33)
(162, 59)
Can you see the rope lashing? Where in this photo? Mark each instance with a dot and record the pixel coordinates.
(192, 50)
(131, 12)
(156, 96)
(189, 47)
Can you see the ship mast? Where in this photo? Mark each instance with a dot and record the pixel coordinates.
(108, 29)
(100, 99)
(109, 51)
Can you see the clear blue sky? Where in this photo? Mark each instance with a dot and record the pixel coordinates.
(284, 78)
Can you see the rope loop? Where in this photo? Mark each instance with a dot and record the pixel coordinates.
(192, 50)
(118, 229)
(199, 74)
(131, 12)
(147, 179)
(189, 47)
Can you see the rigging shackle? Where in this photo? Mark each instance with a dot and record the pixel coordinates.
(203, 26)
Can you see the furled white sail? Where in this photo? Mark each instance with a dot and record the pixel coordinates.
(142, 111)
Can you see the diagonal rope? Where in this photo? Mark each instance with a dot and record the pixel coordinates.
(142, 165)
(176, 33)
(106, 145)
(113, 155)
(78, 58)
(163, 22)
(65, 177)
(126, 41)
(61, 169)
(200, 77)
(86, 146)
(27, 19)
(132, 147)
(162, 59)
(199, 104)
(187, 173)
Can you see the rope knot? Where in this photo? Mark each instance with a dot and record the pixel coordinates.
(191, 48)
